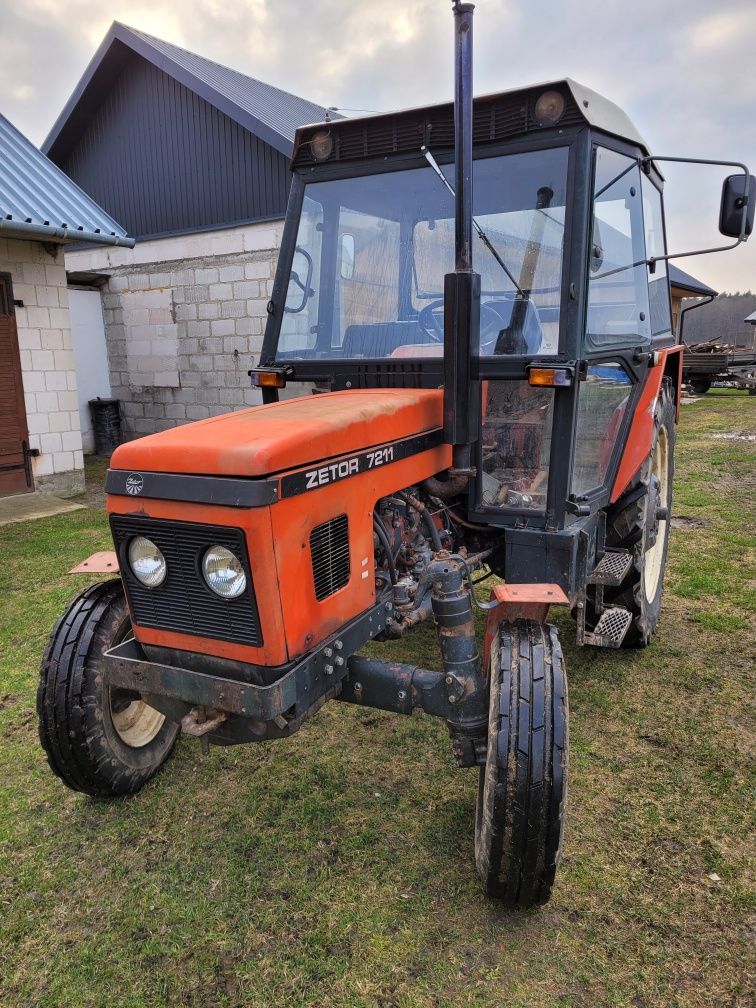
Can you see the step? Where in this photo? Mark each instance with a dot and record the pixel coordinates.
(611, 568)
(611, 628)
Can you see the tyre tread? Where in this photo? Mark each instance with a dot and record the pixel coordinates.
(70, 719)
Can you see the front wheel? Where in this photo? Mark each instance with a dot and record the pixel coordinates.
(522, 790)
(98, 739)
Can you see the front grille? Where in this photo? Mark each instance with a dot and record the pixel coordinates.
(329, 545)
(183, 603)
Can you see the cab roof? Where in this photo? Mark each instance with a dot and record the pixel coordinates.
(502, 115)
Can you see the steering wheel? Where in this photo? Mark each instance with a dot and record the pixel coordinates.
(432, 322)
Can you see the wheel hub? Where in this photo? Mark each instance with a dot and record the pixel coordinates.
(136, 723)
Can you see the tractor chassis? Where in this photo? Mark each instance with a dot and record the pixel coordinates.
(227, 702)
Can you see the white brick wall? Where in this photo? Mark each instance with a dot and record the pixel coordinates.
(47, 364)
(184, 320)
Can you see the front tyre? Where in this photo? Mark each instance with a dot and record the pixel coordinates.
(98, 739)
(522, 790)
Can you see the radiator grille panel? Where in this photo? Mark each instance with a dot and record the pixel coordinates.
(183, 603)
(329, 544)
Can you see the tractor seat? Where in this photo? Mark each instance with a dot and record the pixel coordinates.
(381, 339)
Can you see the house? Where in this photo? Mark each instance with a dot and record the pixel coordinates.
(41, 212)
(193, 158)
(708, 316)
(682, 285)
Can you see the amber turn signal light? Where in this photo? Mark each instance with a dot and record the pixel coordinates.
(550, 377)
(268, 379)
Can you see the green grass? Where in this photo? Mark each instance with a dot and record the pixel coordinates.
(335, 868)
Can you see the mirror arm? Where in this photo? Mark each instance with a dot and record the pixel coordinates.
(651, 160)
(697, 252)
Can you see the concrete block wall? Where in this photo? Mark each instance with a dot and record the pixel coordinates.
(47, 364)
(184, 320)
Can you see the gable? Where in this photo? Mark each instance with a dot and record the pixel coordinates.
(162, 160)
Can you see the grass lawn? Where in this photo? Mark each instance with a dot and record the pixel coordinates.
(336, 868)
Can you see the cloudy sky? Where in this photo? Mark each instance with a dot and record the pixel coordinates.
(682, 69)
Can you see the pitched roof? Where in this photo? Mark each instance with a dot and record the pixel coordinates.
(751, 318)
(39, 202)
(697, 288)
(268, 112)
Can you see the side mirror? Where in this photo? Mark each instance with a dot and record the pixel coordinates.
(738, 205)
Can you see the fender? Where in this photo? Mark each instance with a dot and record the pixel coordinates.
(518, 601)
(667, 362)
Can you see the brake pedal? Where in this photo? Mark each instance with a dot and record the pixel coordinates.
(611, 569)
(611, 628)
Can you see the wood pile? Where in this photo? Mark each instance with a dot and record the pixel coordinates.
(710, 346)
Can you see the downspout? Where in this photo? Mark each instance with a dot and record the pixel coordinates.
(699, 304)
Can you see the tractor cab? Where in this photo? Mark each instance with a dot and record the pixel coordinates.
(565, 215)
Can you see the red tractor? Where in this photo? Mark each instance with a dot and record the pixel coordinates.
(478, 294)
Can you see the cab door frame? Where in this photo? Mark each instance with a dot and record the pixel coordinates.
(15, 465)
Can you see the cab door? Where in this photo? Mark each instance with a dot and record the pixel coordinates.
(627, 313)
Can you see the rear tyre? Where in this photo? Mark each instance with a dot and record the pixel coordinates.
(522, 790)
(98, 739)
(633, 524)
(700, 385)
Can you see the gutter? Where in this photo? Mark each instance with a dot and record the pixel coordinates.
(61, 234)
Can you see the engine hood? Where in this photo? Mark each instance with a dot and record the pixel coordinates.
(286, 435)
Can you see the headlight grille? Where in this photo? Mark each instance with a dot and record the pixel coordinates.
(183, 603)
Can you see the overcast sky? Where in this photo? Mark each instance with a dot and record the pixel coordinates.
(682, 69)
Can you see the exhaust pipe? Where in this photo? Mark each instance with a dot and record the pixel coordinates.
(462, 287)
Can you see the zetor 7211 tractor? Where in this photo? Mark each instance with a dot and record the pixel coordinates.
(478, 294)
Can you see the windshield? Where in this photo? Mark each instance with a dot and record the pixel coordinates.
(367, 276)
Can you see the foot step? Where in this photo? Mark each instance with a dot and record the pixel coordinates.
(611, 568)
(611, 628)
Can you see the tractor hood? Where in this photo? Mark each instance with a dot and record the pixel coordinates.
(286, 435)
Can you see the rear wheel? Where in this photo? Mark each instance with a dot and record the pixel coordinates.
(700, 385)
(523, 786)
(101, 740)
(640, 522)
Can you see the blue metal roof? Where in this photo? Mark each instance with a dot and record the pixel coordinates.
(268, 112)
(38, 201)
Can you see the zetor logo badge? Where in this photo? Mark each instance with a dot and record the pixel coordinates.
(134, 484)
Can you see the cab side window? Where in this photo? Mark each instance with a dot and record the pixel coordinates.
(618, 303)
(658, 285)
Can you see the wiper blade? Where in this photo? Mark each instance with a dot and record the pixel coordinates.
(480, 232)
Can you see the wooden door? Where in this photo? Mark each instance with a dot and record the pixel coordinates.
(15, 470)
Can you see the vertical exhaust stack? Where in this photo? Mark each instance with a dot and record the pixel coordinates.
(462, 287)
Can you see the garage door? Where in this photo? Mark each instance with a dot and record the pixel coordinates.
(14, 477)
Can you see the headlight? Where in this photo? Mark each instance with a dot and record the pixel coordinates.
(321, 145)
(147, 562)
(549, 108)
(223, 572)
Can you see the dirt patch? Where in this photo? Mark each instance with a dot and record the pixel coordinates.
(685, 522)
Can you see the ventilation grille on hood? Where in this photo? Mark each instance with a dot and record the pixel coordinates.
(329, 545)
